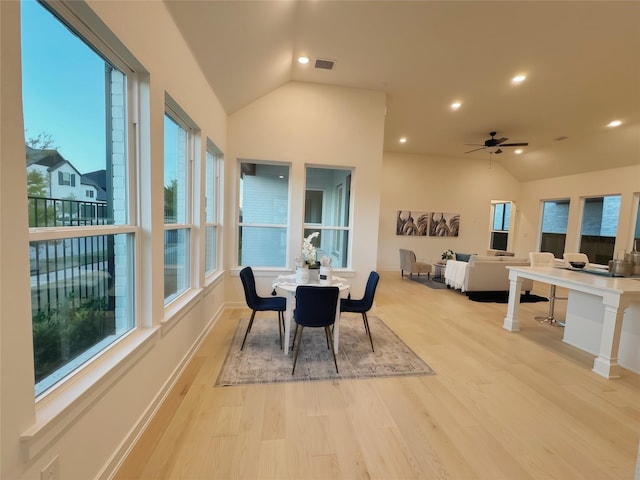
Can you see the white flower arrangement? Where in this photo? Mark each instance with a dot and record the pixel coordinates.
(448, 255)
(309, 250)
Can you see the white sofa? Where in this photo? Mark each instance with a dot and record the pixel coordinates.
(484, 273)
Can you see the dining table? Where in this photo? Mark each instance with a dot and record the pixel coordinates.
(286, 284)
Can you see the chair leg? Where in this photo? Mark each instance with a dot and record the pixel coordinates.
(295, 332)
(280, 328)
(253, 314)
(326, 330)
(295, 359)
(365, 320)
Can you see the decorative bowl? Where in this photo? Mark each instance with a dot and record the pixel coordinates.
(577, 264)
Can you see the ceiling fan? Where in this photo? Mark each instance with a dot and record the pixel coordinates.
(493, 145)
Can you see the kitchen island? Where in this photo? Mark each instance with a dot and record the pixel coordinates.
(603, 314)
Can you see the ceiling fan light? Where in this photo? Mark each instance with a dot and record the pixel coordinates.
(518, 151)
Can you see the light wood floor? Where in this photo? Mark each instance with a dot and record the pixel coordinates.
(502, 406)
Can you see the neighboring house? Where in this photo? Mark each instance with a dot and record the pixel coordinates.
(63, 180)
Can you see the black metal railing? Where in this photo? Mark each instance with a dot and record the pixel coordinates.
(56, 212)
(72, 294)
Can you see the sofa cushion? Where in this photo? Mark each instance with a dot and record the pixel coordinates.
(500, 253)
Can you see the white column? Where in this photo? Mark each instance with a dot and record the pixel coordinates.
(511, 321)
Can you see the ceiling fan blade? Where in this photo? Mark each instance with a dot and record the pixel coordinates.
(476, 149)
(500, 140)
(522, 144)
(476, 144)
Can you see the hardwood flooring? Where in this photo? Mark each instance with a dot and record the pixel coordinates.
(503, 405)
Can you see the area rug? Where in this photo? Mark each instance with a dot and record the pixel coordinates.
(429, 282)
(503, 297)
(262, 361)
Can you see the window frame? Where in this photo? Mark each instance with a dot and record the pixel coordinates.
(240, 224)
(635, 223)
(182, 120)
(339, 209)
(129, 228)
(507, 233)
(581, 236)
(542, 244)
(215, 209)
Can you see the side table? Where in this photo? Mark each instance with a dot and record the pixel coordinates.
(438, 271)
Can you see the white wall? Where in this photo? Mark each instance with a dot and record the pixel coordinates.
(427, 184)
(622, 181)
(93, 433)
(307, 124)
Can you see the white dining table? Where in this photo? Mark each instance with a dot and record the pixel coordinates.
(287, 284)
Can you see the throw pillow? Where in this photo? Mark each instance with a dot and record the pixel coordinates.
(463, 257)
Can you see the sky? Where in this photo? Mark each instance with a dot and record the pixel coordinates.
(63, 89)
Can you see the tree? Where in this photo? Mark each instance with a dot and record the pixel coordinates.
(43, 141)
(170, 200)
(37, 184)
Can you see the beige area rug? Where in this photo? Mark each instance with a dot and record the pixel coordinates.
(262, 361)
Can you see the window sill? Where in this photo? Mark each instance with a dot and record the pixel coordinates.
(274, 272)
(58, 409)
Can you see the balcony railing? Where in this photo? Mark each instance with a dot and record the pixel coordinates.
(72, 283)
(56, 212)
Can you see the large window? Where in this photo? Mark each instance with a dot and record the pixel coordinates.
(599, 228)
(326, 211)
(263, 214)
(501, 216)
(178, 147)
(212, 182)
(81, 247)
(555, 216)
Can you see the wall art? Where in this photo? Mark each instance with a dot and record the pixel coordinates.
(427, 224)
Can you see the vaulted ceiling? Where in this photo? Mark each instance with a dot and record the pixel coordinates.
(581, 59)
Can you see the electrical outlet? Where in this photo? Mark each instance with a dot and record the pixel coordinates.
(51, 471)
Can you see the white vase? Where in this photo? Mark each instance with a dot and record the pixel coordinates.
(302, 275)
(313, 275)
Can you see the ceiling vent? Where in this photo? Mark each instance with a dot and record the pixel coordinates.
(324, 64)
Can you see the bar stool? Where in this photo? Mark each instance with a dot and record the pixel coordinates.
(547, 259)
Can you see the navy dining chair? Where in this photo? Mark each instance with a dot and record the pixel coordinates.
(260, 304)
(315, 307)
(364, 304)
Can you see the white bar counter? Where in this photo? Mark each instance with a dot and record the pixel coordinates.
(603, 314)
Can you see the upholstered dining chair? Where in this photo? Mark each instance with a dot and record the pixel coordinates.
(315, 307)
(547, 259)
(576, 257)
(364, 304)
(260, 304)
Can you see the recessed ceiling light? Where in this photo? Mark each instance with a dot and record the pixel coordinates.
(518, 79)
(456, 105)
(403, 140)
(303, 60)
(518, 151)
(614, 123)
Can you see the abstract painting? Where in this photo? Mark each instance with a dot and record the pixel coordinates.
(427, 224)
